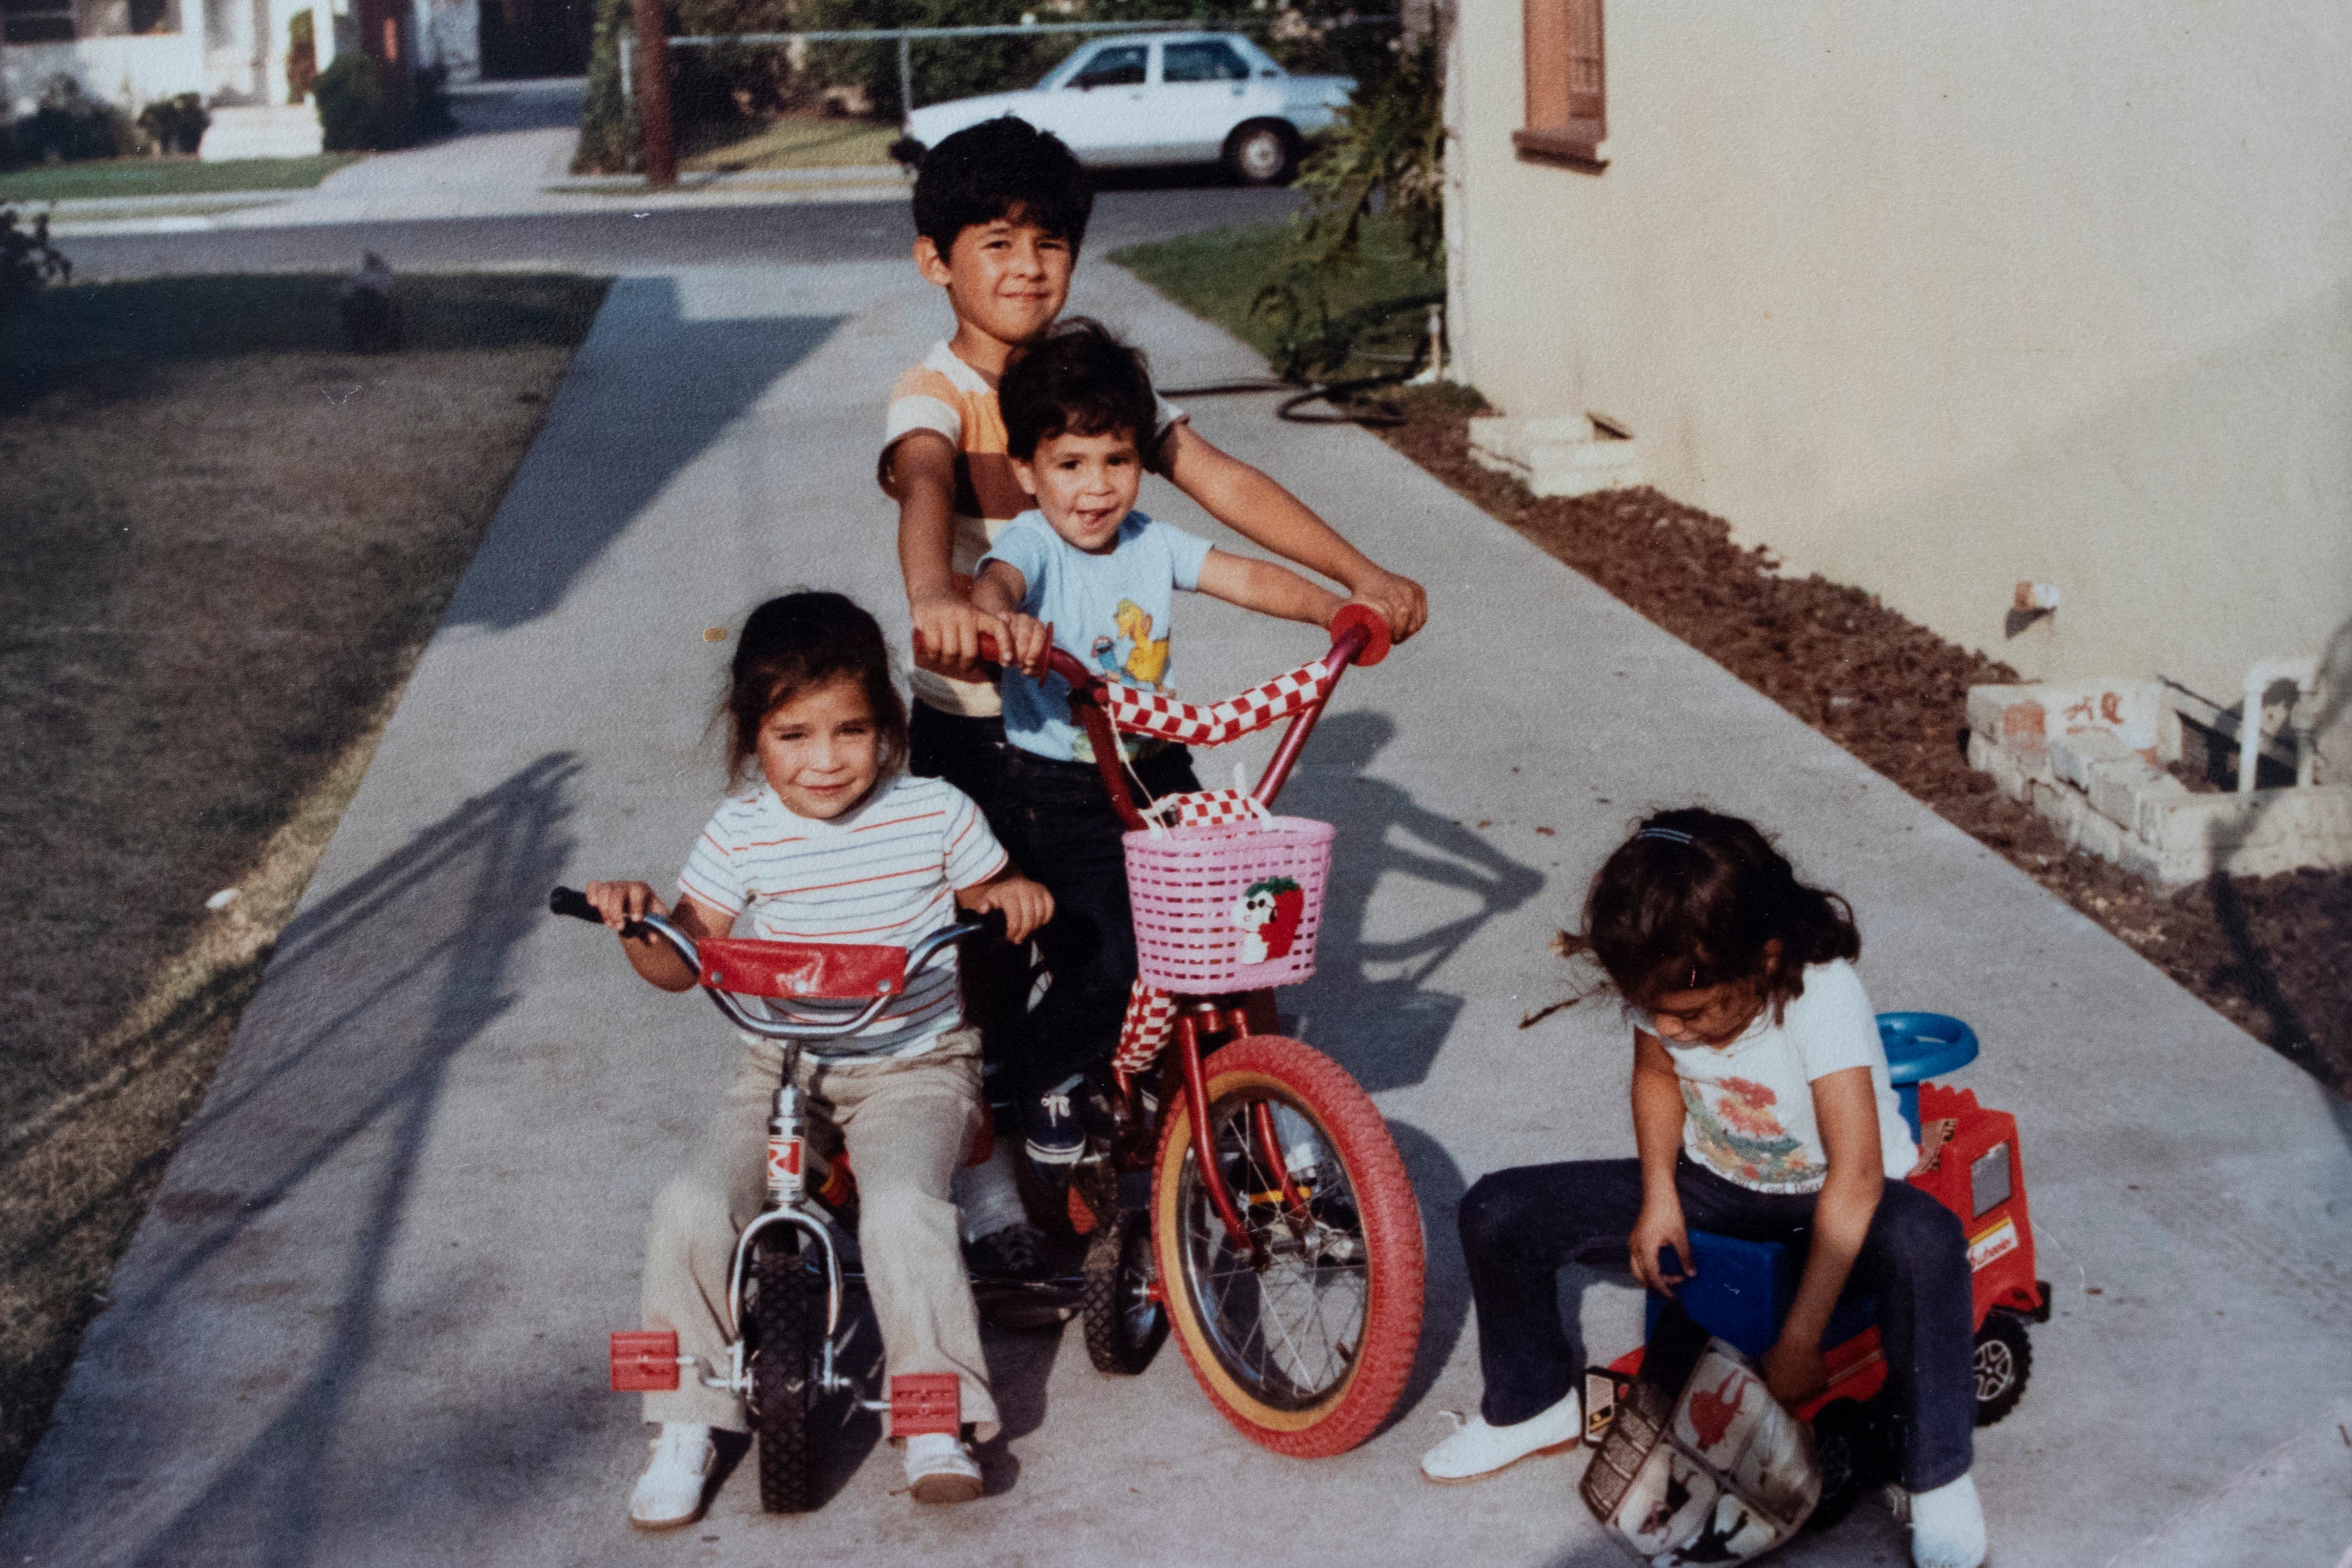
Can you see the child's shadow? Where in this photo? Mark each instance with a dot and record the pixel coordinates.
(1370, 1004)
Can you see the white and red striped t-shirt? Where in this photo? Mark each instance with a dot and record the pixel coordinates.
(886, 872)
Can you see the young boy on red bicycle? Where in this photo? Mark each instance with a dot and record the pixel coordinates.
(1084, 570)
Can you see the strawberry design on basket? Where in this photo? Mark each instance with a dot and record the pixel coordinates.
(1267, 917)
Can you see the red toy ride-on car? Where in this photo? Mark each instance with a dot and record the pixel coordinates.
(1970, 1162)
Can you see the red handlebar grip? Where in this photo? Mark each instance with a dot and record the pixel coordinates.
(1363, 617)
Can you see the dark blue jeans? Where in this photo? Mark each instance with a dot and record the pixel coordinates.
(1520, 1225)
(1059, 826)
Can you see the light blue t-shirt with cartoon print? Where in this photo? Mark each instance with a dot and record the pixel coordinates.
(1109, 612)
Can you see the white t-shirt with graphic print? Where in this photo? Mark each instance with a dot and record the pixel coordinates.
(1750, 1102)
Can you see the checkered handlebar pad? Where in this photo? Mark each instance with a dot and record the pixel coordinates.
(1152, 712)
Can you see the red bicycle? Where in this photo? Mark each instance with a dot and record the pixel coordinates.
(1280, 1235)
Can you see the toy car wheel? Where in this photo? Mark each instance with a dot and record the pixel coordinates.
(1263, 152)
(787, 1313)
(1125, 1327)
(1852, 1448)
(2004, 1358)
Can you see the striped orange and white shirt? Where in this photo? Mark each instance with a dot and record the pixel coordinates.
(885, 873)
(946, 396)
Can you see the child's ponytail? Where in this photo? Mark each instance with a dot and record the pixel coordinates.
(1694, 898)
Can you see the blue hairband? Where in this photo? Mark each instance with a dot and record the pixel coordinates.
(1671, 835)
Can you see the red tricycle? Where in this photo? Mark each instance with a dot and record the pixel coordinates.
(1279, 1235)
(1969, 1161)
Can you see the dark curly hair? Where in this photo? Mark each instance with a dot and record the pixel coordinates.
(1694, 898)
(793, 644)
(1001, 168)
(1076, 380)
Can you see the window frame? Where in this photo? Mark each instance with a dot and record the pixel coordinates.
(1564, 120)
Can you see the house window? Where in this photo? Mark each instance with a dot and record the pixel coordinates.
(1566, 107)
(36, 21)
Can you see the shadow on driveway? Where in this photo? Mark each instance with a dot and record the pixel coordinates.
(339, 1076)
(628, 420)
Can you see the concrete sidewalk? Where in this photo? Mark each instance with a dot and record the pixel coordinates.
(364, 1321)
(510, 157)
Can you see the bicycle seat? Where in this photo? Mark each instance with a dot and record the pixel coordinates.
(1920, 1046)
(805, 971)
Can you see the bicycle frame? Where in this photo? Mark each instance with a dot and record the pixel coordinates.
(1357, 635)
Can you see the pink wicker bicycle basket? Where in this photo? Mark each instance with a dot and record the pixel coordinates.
(1230, 907)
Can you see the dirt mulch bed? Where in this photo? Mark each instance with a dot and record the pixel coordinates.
(2268, 952)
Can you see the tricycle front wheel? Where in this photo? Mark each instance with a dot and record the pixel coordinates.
(1305, 1341)
(787, 1314)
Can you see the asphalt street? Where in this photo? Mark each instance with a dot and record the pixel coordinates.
(623, 241)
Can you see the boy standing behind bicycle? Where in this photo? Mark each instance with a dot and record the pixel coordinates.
(1088, 573)
(1000, 210)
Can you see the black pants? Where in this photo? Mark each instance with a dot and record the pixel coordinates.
(1060, 827)
(1520, 1226)
(970, 753)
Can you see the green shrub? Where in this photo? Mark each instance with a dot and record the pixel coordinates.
(353, 113)
(943, 68)
(1386, 158)
(28, 260)
(608, 120)
(301, 57)
(69, 125)
(367, 107)
(174, 124)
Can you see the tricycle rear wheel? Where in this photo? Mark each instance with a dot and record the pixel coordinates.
(1125, 1326)
(1308, 1352)
(787, 1313)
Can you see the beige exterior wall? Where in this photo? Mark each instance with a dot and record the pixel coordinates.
(1935, 298)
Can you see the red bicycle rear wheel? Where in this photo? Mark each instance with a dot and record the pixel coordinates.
(1308, 1355)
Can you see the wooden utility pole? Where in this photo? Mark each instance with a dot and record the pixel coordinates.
(656, 141)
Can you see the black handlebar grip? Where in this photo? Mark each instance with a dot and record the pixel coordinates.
(571, 901)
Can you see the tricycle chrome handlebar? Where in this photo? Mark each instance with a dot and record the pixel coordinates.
(921, 956)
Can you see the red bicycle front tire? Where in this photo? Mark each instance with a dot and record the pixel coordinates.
(1287, 1070)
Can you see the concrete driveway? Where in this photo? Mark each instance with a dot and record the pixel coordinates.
(364, 1322)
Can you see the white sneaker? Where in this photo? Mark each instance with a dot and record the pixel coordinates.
(940, 1468)
(670, 1492)
(1947, 1528)
(1477, 1450)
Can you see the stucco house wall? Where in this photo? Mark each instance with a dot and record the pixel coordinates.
(1934, 299)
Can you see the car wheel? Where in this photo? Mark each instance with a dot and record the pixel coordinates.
(1263, 152)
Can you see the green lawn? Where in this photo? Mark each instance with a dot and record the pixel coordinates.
(1219, 276)
(795, 143)
(166, 177)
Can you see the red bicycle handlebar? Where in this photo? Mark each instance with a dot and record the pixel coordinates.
(1359, 636)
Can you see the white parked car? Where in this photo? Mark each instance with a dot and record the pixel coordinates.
(1165, 98)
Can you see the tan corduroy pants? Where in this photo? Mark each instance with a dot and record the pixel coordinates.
(908, 1123)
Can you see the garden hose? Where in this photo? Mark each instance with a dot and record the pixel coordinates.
(1308, 392)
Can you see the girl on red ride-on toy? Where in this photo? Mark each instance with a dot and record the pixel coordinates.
(823, 841)
(1762, 1110)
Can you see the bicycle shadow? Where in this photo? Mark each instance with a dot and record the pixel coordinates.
(1437, 1189)
(283, 1208)
(1372, 998)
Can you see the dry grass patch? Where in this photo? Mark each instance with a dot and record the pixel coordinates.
(226, 542)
